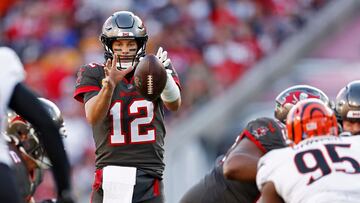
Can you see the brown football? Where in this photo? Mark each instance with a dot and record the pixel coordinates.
(150, 77)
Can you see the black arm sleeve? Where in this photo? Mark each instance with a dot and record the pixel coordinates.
(25, 103)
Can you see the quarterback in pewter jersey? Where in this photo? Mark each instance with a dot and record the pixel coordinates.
(320, 167)
(128, 130)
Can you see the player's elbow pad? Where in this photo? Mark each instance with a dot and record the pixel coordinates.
(171, 91)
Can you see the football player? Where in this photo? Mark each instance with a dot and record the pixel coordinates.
(128, 130)
(260, 136)
(319, 167)
(292, 95)
(26, 152)
(347, 107)
(15, 95)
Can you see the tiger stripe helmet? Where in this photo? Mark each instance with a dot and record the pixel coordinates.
(308, 118)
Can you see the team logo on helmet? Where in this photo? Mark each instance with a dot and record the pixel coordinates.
(295, 97)
(259, 132)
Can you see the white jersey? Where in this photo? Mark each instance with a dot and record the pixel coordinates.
(12, 72)
(318, 169)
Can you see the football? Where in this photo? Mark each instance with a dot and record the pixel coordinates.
(150, 77)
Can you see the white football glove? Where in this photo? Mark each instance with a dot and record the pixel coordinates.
(162, 56)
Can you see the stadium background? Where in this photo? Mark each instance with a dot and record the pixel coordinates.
(233, 58)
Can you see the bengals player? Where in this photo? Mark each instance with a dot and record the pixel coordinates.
(319, 167)
(128, 130)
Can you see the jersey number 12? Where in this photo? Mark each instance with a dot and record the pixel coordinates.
(118, 134)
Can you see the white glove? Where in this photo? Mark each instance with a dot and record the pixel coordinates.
(162, 56)
(171, 91)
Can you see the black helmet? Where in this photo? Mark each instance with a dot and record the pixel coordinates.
(347, 103)
(53, 111)
(290, 96)
(123, 25)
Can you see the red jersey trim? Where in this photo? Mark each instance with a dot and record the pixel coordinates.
(156, 187)
(255, 141)
(176, 79)
(78, 94)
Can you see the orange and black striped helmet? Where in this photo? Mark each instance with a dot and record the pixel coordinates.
(310, 117)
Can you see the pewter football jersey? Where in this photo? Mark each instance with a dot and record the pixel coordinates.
(318, 169)
(12, 73)
(133, 132)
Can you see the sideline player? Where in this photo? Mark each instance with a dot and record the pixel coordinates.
(319, 167)
(15, 95)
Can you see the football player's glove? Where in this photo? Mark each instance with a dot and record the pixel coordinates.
(162, 56)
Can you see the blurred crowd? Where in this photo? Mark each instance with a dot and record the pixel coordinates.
(210, 42)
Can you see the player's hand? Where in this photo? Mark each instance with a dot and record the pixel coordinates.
(162, 56)
(112, 74)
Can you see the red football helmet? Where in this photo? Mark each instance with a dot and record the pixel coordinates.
(308, 118)
(290, 96)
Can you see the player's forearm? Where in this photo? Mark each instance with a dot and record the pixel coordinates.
(97, 107)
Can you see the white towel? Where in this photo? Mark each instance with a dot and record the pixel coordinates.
(118, 184)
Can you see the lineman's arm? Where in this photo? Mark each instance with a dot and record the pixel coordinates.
(241, 163)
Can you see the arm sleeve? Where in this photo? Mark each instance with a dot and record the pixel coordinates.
(174, 75)
(25, 103)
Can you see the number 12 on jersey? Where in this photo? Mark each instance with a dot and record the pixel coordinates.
(118, 134)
